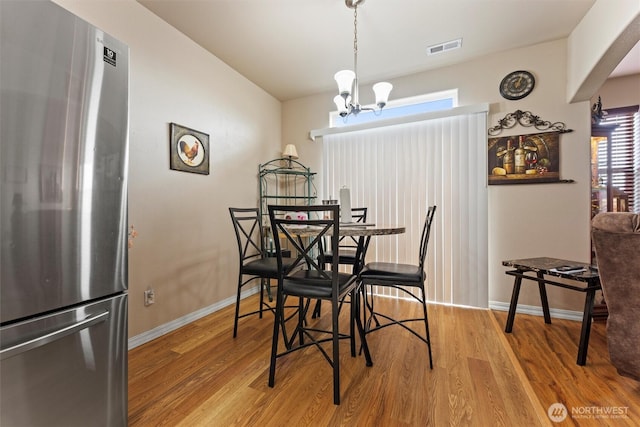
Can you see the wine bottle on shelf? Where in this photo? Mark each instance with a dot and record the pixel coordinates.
(507, 159)
(518, 155)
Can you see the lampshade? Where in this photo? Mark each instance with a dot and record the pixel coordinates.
(290, 151)
(341, 105)
(345, 79)
(382, 91)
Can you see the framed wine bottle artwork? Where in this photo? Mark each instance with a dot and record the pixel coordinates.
(524, 159)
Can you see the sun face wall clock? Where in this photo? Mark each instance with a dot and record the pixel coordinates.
(517, 85)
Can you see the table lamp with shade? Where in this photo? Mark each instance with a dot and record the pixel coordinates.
(290, 153)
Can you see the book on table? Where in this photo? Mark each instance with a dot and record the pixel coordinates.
(569, 269)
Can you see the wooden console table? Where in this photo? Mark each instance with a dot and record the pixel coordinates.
(536, 269)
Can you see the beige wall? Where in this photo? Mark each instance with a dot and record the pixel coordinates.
(524, 221)
(619, 92)
(186, 248)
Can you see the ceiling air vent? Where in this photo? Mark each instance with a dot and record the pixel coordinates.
(444, 47)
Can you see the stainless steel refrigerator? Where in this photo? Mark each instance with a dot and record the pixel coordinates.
(63, 219)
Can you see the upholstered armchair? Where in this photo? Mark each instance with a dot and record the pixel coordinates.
(616, 237)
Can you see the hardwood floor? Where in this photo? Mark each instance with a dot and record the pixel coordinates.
(547, 354)
(200, 375)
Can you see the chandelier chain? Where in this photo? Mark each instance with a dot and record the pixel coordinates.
(355, 39)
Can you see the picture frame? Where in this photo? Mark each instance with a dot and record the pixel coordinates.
(188, 150)
(524, 159)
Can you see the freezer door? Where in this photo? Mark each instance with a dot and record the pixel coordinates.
(66, 369)
(63, 160)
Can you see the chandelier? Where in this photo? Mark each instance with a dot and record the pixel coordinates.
(347, 100)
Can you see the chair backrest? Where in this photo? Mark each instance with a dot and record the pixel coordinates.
(246, 223)
(426, 231)
(358, 215)
(305, 238)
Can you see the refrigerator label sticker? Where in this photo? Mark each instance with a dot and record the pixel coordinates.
(109, 56)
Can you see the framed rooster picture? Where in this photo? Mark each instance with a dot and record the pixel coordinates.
(189, 150)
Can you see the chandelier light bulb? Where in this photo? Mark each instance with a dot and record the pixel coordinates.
(341, 105)
(382, 91)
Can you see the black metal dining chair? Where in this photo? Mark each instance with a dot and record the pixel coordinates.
(407, 278)
(254, 262)
(305, 279)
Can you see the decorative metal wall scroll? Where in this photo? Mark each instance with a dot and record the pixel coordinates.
(527, 119)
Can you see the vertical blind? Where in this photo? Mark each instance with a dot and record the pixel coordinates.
(625, 153)
(397, 172)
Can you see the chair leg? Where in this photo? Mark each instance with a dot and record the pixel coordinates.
(302, 312)
(336, 351)
(235, 320)
(279, 319)
(368, 305)
(262, 288)
(358, 321)
(352, 327)
(316, 310)
(370, 317)
(269, 290)
(426, 325)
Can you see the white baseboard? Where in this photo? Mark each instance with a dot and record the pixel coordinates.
(158, 331)
(537, 311)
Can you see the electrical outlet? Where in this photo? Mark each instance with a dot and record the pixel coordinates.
(149, 297)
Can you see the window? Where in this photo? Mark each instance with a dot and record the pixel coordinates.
(401, 107)
(625, 154)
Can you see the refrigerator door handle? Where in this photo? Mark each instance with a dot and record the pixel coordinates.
(53, 336)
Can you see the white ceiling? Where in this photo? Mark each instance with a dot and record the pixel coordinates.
(292, 48)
